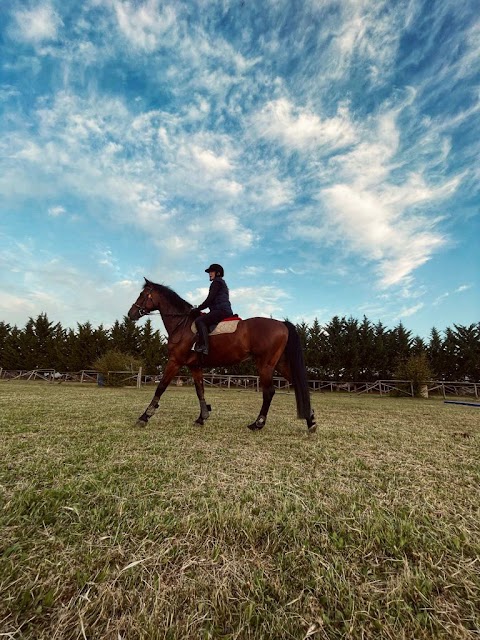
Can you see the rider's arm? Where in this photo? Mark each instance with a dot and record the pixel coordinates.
(214, 289)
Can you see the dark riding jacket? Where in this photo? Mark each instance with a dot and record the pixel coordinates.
(218, 297)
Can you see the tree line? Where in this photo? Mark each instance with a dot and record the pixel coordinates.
(342, 349)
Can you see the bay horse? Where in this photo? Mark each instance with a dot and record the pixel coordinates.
(272, 344)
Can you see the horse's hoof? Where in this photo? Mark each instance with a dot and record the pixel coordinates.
(255, 426)
(198, 423)
(312, 428)
(141, 423)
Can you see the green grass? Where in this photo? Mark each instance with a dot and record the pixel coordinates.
(368, 529)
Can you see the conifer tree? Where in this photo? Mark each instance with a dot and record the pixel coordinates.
(467, 351)
(435, 353)
(152, 349)
(315, 350)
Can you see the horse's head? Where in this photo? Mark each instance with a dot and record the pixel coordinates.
(144, 304)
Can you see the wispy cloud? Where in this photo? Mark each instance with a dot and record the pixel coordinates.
(44, 282)
(146, 24)
(439, 299)
(463, 287)
(410, 311)
(299, 128)
(259, 301)
(56, 211)
(36, 25)
(375, 209)
(252, 270)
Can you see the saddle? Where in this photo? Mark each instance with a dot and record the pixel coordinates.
(228, 325)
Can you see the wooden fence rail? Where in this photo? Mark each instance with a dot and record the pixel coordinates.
(445, 388)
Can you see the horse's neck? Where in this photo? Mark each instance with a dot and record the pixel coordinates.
(171, 315)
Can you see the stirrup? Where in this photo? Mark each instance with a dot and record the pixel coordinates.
(201, 348)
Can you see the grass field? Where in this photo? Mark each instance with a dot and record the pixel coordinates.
(368, 529)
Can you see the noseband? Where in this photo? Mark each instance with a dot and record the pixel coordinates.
(143, 311)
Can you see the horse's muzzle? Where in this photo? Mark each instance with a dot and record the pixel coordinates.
(134, 313)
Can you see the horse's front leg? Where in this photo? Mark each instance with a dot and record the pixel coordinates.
(170, 372)
(205, 408)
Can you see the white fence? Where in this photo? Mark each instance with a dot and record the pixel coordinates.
(227, 381)
(85, 375)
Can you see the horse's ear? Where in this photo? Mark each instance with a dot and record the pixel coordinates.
(146, 281)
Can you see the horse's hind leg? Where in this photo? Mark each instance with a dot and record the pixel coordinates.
(266, 382)
(170, 372)
(205, 408)
(284, 370)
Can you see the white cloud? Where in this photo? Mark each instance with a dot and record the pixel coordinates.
(371, 212)
(440, 299)
(231, 188)
(463, 287)
(106, 258)
(270, 192)
(258, 301)
(211, 162)
(38, 24)
(30, 151)
(368, 35)
(299, 128)
(12, 306)
(410, 311)
(252, 270)
(144, 25)
(7, 92)
(444, 296)
(56, 211)
(374, 228)
(227, 230)
(69, 293)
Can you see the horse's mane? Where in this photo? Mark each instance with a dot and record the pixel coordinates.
(169, 294)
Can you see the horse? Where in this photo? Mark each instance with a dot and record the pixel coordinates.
(272, 344)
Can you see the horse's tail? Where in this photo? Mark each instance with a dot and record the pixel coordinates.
(296, 362)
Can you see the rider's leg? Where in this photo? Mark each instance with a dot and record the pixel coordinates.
(201, 346)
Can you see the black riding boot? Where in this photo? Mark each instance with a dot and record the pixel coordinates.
(201, 346)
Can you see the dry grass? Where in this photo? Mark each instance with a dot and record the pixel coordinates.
(369, 529)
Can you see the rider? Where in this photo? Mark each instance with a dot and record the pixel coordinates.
(219, 304)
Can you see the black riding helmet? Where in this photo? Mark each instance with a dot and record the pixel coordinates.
(215, 267)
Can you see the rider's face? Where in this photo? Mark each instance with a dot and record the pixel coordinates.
(211, 275)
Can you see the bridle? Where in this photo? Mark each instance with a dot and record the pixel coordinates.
(143, 311)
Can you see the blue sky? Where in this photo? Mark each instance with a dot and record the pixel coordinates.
(326, 153)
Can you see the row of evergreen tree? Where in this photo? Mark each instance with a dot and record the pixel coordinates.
(342, 349)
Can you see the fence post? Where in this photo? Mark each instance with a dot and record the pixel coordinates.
(139, 378)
